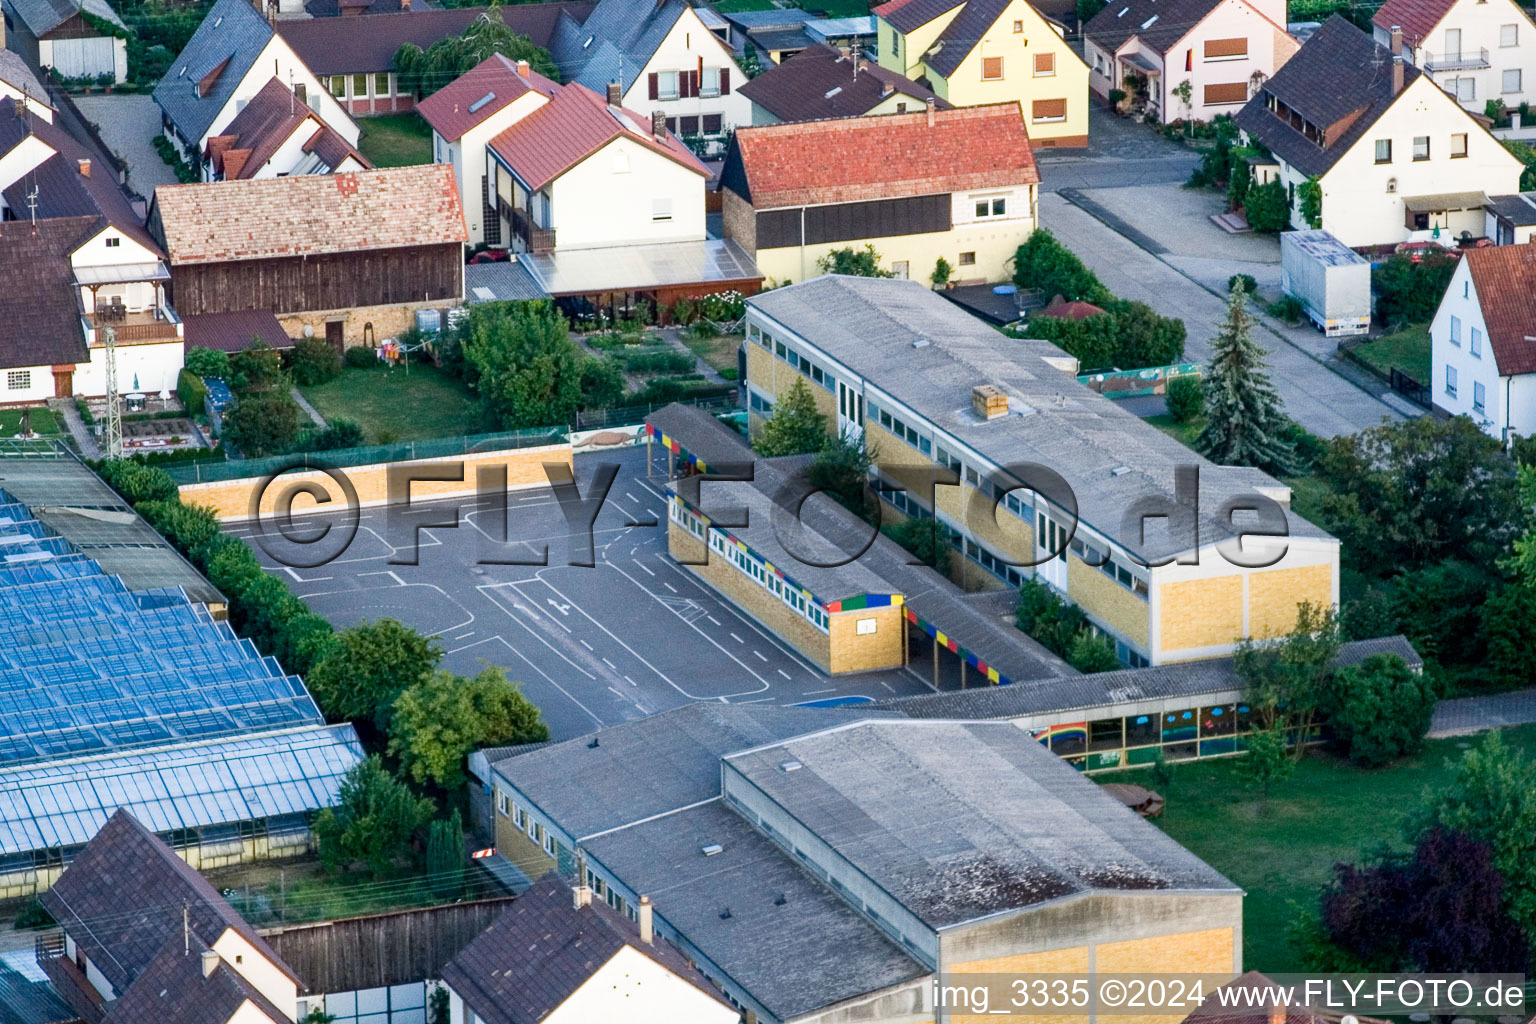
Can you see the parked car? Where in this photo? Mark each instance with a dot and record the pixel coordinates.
(490, 256)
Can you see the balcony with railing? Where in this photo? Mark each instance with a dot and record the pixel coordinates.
(160, 324)
(1465, 60)
(69, 979)
(534, 238)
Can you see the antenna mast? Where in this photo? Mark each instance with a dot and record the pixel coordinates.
(114, 414)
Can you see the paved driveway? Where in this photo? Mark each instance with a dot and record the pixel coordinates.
(1316, 397)
(128, 123)
(1120, 152)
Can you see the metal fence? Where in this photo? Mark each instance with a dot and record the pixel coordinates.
(631, 414)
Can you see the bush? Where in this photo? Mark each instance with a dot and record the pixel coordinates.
(338, 433)
(1267, 207)
(602, 383)
(1042, 263)
(33, 915)
(1249, 284)
(191, 390)
(667, 361)
(137, 482)
(1186, 397)
(314, 361)
(926, 539)
(207, 362)
(262, 423)
(1380, 710)
(361, 358)
(1092, 653)
(1287, 308)
(1410, 292)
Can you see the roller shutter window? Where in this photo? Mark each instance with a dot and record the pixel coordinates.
(1044, 111)
(1045, 64)
(1226, 49)
(991, 68)
(1234, 92)
(725, 81)
(653, 85)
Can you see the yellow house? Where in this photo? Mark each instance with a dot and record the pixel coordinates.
(972, 52)
(958, 185)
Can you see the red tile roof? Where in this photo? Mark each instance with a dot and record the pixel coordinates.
(1417, 18)
(1505, 279)
(1060, 308)
(447, 110)
(887, 157)
(572, 126)
(310, 214)
(267, 121)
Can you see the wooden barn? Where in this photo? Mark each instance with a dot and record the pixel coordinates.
(350, 257)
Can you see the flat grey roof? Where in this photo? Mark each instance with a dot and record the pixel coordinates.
(507, 281)
(1518, 209)
(1108, 689)
(638, 267)
(809, 952)
(910, 343)
(701, 433)
(963, 820)
(67, 497)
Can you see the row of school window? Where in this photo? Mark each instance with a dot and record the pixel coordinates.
(751, 567)
(1109, 567)
(523, 821)
(1178, 731)
(760, 404)
(905, 431)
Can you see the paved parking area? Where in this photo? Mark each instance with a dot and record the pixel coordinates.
(634, 635)
(128, 123)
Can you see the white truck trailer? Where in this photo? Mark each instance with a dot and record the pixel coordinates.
(1331, 280)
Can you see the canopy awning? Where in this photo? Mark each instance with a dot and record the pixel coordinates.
(641, 267)
(1446, 202)
(1138, 60)
(126, 273)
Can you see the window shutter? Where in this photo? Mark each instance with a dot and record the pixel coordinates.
(1228, 48)
(654, 85)
(725, 81)
(693, 83)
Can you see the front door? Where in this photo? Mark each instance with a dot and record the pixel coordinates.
(63, 382)
(1051, 548)
(1453, 44)
(334, 334)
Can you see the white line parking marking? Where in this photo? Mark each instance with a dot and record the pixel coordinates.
(465, 636)
(829, 689)
(645, 567)
(669, 586)
(630, 681)
(711, 618)
(759, 656)
(783, 673)
(610, 664)
(737, 638)
(586, 645)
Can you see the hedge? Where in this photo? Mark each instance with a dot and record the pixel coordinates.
(191, 390)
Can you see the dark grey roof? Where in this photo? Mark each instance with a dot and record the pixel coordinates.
(1123, 19)
(786, 938)
(631, 28)
(963, 820)
(773, 40)
(964, 34)
(819, 83)
(24, 1001)
(702, 433)
(1186, 679)
(593, 783)
(16, 72)
(1340, 81)
(232, 31)
(506, 281)
(542, 949)
(904, 17)
(912, 344)
(174, 988)
(1518, 210)
(122, 900)
(43, 16)
(778, 18)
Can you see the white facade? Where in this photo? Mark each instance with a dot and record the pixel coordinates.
(1238, 45)
(1467, 381)
(89, 57)
(627, 194)
(467, 155)
(1364, 199)
(690, 46)
(1481, 50)
(290, 158)
(36, 106)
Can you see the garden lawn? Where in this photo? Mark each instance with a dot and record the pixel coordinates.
(719, 352)
(393, 404)
(396, 140)
(734, 6)
(291, 892)
(43, 422)
(1407, 350)
(1184, 433)
(1328, 811)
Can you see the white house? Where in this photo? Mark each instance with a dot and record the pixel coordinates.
(1483, 341)
(466, 114)
(558, 956)
(80, 40)
(19, 83)
(233, 54)
(1224, 49)
(1396, 158)
(1476, 50)
(276, 135)
(664, 58)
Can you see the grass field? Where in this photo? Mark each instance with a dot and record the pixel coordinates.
(396, 140)
(395, 405)
(1184, 433)
(719, 352)
(43, 422)
(1328, 811)
(1407, 350)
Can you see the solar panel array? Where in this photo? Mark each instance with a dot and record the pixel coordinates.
(111, 697)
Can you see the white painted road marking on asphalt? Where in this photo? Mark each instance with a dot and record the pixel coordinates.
(737, 638)
(760, 657)
(669, 586)
(645, 567)
(711, 618)
(783, 673)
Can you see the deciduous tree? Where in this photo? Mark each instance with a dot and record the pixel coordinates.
(524, 365)
(438, 720)
(1379, 710)
(374, 822)
(368, 667)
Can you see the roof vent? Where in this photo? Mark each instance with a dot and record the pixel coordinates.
(710, 849)
(832, 92)
(1120, 471)
(790, 766)
(1122, 12)
(218, 21)
(588, 42)
(594, 744)
(988, 401)
(920, 343)
(725, 915)
(474, 108)
(1148, 23)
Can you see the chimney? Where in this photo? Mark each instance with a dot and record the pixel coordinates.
(522, 69)
(581, 896)
(1397, 40)
(210, 961)
(85, 168)
(989, 401)
(1278, 1015)
(659, 125)
(929, 103)
(405, 5)
(614, 99)
(647, 931)
(1397, 74)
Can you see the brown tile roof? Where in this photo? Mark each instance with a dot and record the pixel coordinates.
(268, 120)
(174, 988)
(329, 145)
(339, 46)
(311, 214)
(447, 110)
(1110, 28)
(543, 949)
(1340, 80)
(1417, 18)
(39, 313)
(887, 157)
(906, 15)
(819, 83)
(1505, 279)
(234, 331)
(122, 900)
(572, 126)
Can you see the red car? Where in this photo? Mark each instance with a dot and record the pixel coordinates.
(490, 256)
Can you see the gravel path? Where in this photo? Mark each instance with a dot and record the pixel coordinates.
(128, 123)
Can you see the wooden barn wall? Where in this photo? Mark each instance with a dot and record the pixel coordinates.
(383, 949)
(845, 222)
(380, 277)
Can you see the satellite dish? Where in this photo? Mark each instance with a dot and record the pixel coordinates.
(309, 332)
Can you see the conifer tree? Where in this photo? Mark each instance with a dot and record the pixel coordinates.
(1244, 425)
(796, 427)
